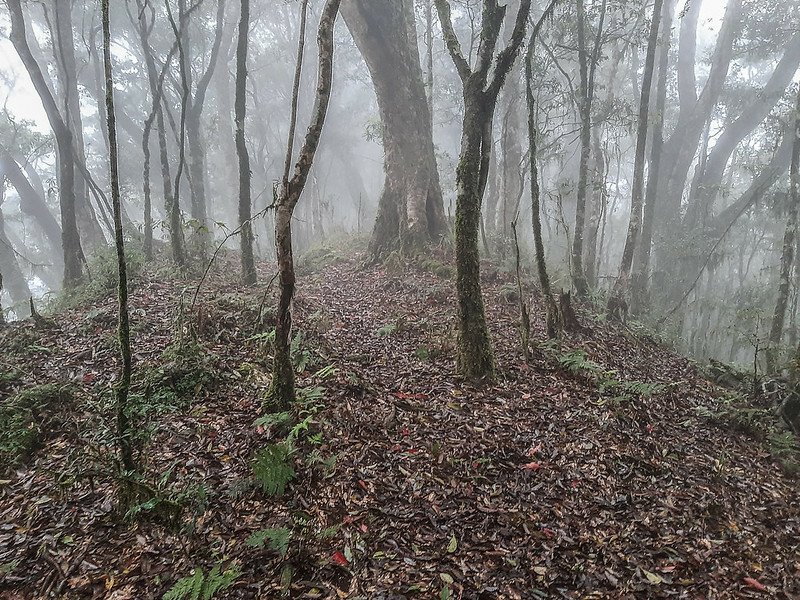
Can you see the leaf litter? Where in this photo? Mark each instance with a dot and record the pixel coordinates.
(534, 486)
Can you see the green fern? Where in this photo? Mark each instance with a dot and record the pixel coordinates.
(199, 587)
(276, 539)
(273, 467)
(577, 362)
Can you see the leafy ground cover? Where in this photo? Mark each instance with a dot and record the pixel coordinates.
(594, 471)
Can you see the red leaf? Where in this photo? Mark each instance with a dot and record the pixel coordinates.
(340, 559)
(88, 378)
(649, 428)
(405, 431)
(363, 485)
(755, 584)
(364, 528)
(532, 466)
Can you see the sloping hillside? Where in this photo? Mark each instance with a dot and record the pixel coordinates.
(561, 480)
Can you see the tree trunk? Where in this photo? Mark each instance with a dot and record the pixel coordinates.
(282, 390)
(70, 238)
(123, 385)
(787, 255)
(475, 359)
(640, 297)
(66, 67)
(156, 85)
(617, 302)
(15, 283)
(194, 136)
(585, 109)
(411, 208)
(240, 108)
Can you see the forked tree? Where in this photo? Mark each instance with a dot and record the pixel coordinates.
(282, 389)
(475, 359)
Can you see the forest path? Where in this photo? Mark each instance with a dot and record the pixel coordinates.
(541, 484)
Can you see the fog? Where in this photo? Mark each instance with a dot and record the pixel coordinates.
(718, 217)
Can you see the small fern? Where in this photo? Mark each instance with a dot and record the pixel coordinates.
(199, 587)
(273, 467)
(276, 539)
(577, 362)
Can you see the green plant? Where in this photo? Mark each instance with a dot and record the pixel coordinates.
(577, 362)
(273, 467)
(102, 268)
(199, 586)
(27, 417)
(386, 330)
(276, 539)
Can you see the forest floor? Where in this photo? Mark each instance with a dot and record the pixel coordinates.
(596, 470)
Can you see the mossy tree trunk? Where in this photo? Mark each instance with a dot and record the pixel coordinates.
(123, 385)
(282, 390)
(70, 238)
(240, 110)
(411, 208)
(475, 359)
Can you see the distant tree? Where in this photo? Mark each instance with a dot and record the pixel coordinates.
(240, 108)
(617, 302)
(788, 251)
(475, 357)
(410, 209)
(155, 82)
(70, 238)
(61, 28)
(282, 390)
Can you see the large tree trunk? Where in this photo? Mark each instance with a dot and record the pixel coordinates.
(788, 252)
(70, 238)
(617, 302)
(245, 201)
(411, 209)
(33, 205)
(15, 282)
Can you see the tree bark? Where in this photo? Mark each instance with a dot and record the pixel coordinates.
(240, 108)
(411, 208)
(70, 238)
(788, 252)
(66, 67)
(640, 297)
(282, 389)
(475, 359)
(124, 334)
(617, 302)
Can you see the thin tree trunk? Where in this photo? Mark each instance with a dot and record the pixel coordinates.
(123, 386)
(617, 303)
(282, 391)
(240, 108)
(640, 297)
